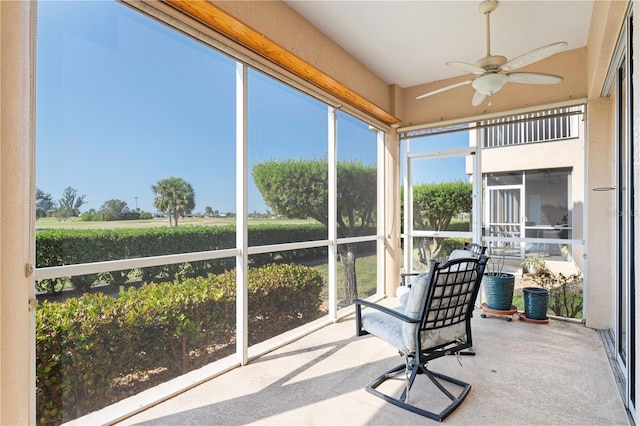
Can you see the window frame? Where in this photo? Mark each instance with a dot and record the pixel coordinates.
(245, 60)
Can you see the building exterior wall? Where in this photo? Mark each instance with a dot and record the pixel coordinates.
(566, 153)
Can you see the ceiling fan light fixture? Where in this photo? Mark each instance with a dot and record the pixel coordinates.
(489, 84)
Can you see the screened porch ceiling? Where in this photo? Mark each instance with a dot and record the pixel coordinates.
(408, 42)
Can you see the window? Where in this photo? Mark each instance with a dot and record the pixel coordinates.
(440, 179)
(540, 199)
(139, 184)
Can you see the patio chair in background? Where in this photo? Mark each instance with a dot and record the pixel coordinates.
(475, 248)
(468, 250)
(435, 321)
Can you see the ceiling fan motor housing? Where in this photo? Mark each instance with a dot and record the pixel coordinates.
(491, 63)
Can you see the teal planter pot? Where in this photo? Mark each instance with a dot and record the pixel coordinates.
(536, 302)
(498, 291)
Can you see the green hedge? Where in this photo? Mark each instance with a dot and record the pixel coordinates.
(75, 246)
(83, 345)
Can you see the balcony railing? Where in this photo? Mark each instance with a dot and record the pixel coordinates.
(543, 126)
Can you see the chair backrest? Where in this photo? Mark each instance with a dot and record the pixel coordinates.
(461, 253)
(445, 297)
(475, 248)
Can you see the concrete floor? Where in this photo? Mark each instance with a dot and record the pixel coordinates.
(523, 374)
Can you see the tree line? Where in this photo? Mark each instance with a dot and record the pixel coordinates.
(70, 203)
(174, 197)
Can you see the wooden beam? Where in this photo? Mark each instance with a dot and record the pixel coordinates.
(227, 25)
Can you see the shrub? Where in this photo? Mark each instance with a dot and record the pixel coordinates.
(450, 244)
(282, 297)
(50, 286)
(67, 247)
(565, 292)
(74, 355)
(83, 283)
(85, 344)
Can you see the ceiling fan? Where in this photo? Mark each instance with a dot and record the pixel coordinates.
(493, 71)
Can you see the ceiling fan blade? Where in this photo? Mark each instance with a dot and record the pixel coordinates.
(478, 98)
(453, 86)
(534, 78)
(534, 56)
(474, 69)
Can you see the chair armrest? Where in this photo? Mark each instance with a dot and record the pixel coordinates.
(360, 303)
(404, 275)
(386, 310)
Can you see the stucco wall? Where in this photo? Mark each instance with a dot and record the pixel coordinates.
(286, 27)
(600, 291)
(606, 20)
(600, 214)
(534, 156)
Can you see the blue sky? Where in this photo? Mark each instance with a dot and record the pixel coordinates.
(124, 101)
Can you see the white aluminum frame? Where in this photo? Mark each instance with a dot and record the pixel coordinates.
(410, 233)
(245, 59)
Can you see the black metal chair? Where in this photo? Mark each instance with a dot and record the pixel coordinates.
(435, 321)
(471, 248)
(475, 248)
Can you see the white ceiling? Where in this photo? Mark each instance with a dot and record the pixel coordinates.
(408, 42)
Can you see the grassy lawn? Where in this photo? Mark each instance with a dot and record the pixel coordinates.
(366, 276)
(76, 223)
(518, 300)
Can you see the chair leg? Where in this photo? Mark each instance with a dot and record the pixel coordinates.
(468, 351)
(433, 377)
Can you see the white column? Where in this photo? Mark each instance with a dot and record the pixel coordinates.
(17, 210)
(332, 222)
(242, 264)
(390, 211)
(408, 211)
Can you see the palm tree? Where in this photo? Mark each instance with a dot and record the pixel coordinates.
(175, 197)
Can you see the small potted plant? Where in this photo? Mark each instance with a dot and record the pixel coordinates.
(536, 299)
(536, 303)
(533, 264)
(498, 286)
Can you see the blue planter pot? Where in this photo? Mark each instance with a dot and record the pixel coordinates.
(498, 291)
(536, 302)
